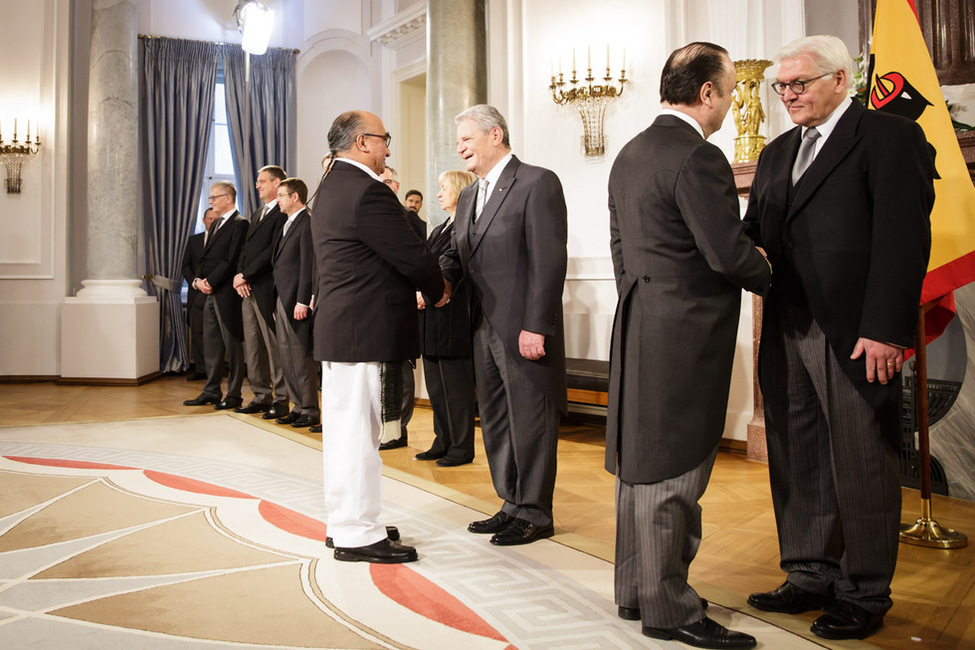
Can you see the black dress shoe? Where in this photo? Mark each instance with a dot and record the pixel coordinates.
(315, 428)
(202, 399)
(382, 552)
(788, 599)
(228, 403)
(392, 534)
(195, 376)
(633, 613)
(277, 410)
(521, 531)
(430, 455)
(290, 418)
(703, 634)
(253, 407)
(447, 461)
(393, 444)
(844, 620)
(305, 420)
(495, 524)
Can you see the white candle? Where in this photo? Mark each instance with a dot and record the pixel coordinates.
(589, 57)
(607, 56)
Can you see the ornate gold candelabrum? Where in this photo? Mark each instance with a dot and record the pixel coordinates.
(747, 108)
(14, 153)
(591, 101)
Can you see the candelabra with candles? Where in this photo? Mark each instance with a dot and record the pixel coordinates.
(590, 100)
(13, 155)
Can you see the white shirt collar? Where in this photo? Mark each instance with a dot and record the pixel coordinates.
(684, 116)
(492, 176)
(292, 217)
(827, 127)
(270, 204)
(223, 217)
(358, 164)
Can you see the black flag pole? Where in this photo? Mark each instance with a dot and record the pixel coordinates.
(926, 531)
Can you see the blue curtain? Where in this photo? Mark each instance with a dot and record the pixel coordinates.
(268, 136)
(179, 79)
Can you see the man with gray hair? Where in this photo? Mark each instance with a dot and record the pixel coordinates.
(841, 203)
(510, 244)
(370, 263)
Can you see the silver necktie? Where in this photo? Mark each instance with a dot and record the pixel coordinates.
(481, 197)
(807, 152)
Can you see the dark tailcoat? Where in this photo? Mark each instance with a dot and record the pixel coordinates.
(852, 240)
(515, 265)
(255, 258)
(370, 264)
(294, 270)
(219, 265)
(681, 259)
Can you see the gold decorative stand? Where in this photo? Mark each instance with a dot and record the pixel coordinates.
(747, 107)
(926, 531)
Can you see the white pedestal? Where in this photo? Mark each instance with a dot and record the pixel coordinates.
(109, 334)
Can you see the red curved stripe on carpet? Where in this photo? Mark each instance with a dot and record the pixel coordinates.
(191, 485)
(56, 462)
(411, 590)
(291, 521)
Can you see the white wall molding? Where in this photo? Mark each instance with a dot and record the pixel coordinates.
(405, 28)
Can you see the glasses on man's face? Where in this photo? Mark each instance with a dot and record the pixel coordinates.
(798, 86)
(214, 197)
(386, 137)
(281, 196)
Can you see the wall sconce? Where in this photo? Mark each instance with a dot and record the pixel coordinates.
(590, 100)
(13, 155)
(255, 21)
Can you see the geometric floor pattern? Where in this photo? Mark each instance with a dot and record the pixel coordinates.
(207, 532)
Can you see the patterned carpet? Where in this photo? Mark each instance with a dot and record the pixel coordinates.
(206, 531)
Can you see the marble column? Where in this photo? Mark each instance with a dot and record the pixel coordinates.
(110, 331)
(456, 79)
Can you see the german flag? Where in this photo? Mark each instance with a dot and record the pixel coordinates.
(903, 81)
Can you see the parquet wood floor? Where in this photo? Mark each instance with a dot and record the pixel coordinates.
(934, 590)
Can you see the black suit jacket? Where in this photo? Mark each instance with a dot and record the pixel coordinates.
(515, 265)
(445, 332)
(191, 262)
(293, 264)
(852, 240)
(255, 258)
(219, 265)
(681, 260)
(370, 263)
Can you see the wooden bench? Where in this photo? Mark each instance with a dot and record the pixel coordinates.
(587, 381)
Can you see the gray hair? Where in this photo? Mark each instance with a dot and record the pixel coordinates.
(345, 129)
(827, 53)
(393, 174)
(486, 117)
(229, 187)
